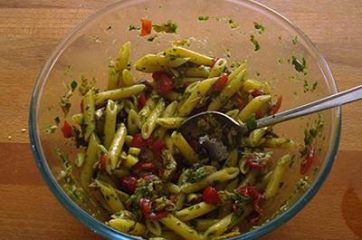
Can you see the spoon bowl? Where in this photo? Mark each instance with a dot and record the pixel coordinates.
(224, 129)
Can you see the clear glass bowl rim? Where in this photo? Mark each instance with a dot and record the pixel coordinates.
(102, 229)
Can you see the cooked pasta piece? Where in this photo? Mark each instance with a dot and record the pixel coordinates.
(218, 68)
(222, 175)
(127, 226)
(110, 123)
(232, 86)
(180, 228)
(153, 63)
(193, 56)
(118, 94)
(170, 122)
(133, 122)
(150, 124)
(111, 196)
(116, 146)
(91, 158)
(182, 145)
(89, 113)
(199, 90)
(277, 176)
(195, 211)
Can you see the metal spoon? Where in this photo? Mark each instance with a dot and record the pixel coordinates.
(223, 129)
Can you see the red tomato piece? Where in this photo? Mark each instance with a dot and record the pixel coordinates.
(67, 130)
(275, 108)
(158, 146)
(137, 141)
(164, 82)
(259, 114)
(129, 184)
(102, 162)
(211, 196)
(145, 166)
(141, 100)
(255, 196)
(221, 82)
(240, 102)
(257, 93)
(254, 163)
(146, 27)
(149, 141)
(146, 206)
(308, 161)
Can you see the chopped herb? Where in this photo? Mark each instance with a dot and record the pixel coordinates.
(68, 71)
(57, 121)
(182, 42)
(73, 85)
(299, 65)
(51, 129)
(255, 42)
(169, 27)
(63, 159)
(232, 24)
(203, 18)
(79, 137)
(259, 27)
(86, 85)
(65, 99)
(251, 123)
(151, 38)
(310, 134)
(133, 28)
(306, 86)
(295, 40)
(309, 87)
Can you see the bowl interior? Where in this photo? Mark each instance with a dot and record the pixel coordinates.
(226, 33)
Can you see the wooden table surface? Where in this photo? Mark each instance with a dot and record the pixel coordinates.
(30, 29)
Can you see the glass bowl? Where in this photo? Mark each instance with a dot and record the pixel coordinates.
(224, 28)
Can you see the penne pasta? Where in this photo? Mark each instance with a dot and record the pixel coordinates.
(110, 123)
(127, 226)
(118, 94)
(232, 86)
(194, 211)
(150, 124)
(193, 56)
(116, 146)
(254, 105)
(277, 176)
(89, 113)
(151, 181)
(153, 63)
(180, 228)
(91, 158)
(182, 145)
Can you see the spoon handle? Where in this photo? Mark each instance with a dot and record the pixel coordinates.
(338, 99)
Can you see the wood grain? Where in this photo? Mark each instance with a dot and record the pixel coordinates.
(29, 31)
